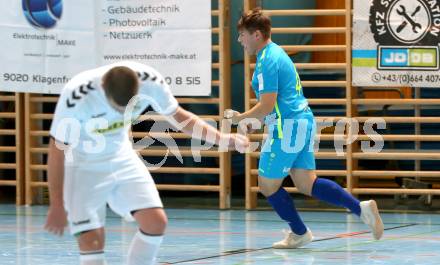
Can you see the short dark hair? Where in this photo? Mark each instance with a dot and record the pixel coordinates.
(255, 20)
(120, 84)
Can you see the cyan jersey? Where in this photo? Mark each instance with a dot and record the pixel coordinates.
(275, 73)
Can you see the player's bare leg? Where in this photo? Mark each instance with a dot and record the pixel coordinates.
(145, 244)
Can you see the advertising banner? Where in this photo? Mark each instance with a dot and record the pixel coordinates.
(47, 42)
(396, 43)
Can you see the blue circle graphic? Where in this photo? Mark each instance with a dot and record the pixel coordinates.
(42, 13)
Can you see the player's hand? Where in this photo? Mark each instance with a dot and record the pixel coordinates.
(245, 129)
(235, 142)
(241, 143)
(233, 115)
(56, 220)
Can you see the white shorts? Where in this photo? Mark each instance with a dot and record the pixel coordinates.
(123, 182)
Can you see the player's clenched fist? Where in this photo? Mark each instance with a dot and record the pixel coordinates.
(233, 115)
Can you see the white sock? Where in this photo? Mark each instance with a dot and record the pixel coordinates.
(143, 249)
(92, 258)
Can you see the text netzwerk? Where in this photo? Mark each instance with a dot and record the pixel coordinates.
(130, 35)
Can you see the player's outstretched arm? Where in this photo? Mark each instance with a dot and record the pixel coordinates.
(191, 124)
(264, 107)
(56, 216)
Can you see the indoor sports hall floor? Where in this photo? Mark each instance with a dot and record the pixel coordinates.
(232, 237)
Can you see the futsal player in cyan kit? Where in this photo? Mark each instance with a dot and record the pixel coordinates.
(281, 103)
(92, 162)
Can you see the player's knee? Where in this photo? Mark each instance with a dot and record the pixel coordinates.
(267, 190)
(157, 227)
(304, 186)
(152, 221)
(160, 224)
(92, 240)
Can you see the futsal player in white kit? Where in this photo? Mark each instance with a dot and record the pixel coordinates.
(91, 161)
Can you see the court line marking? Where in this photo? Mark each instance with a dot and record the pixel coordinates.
(241, 251)
(282, 221)
(373, 241)
(238, 219)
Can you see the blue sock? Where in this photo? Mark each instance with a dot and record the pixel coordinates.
(329, 191)
(282, 203)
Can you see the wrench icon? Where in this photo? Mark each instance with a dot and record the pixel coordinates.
(402, 11)
(404, 23)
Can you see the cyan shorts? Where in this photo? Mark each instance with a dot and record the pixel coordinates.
(294, 151)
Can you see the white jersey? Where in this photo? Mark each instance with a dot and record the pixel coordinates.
(85, 120)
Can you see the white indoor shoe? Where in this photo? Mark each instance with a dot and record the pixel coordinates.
(293, 240)
(370, 216)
